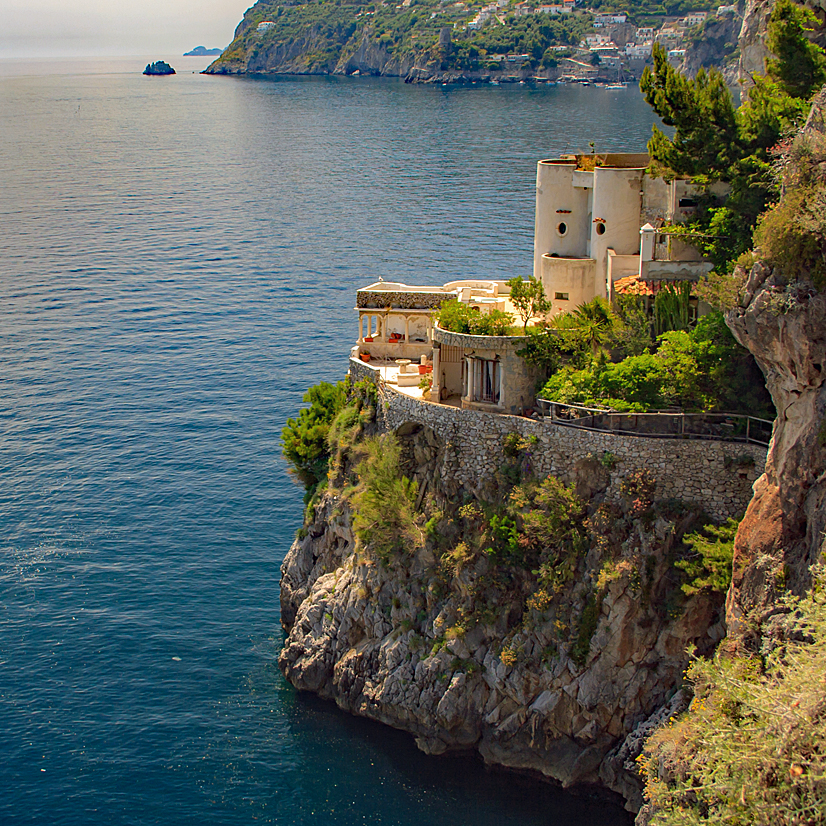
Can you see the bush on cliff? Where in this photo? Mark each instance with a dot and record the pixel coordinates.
(304, 440)
(792, 235)
(332, 422)
(709, 560)
(384, 502)
(751, 749)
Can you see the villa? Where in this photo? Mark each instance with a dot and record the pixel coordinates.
(597, 234)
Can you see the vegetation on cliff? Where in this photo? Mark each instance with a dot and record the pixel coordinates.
(522, 546)
(327, 32)
(718, 143)
(600, 357)
(792, 234)
(752, 746)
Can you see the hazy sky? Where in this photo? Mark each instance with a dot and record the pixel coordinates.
(62, 28)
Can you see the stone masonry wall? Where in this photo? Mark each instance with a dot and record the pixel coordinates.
(690, 470)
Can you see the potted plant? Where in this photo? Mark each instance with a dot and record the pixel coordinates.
(365, 356)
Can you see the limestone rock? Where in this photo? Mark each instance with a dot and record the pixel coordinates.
(782, 534)
(367, 636)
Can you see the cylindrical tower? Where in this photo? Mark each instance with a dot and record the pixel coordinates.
(616, 216)
(562, 211)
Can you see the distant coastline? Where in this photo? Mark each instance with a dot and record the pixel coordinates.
(202, 51)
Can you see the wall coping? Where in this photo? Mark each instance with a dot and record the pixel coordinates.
(466, 340)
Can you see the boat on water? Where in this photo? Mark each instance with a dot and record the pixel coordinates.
(616, 86)
(494, 83)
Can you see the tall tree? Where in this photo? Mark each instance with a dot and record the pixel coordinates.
(715, 141)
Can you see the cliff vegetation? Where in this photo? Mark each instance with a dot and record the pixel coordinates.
(752, 747)
(537, 623)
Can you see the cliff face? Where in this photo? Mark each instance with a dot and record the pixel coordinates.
(715, 48)
(470, 654)
(784, 530)
(752, 40)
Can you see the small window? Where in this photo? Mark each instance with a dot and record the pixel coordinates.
(600, 229)
(560, 296)
(688, 203)
(562, 228)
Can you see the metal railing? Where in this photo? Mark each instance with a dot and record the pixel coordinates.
(728, 427)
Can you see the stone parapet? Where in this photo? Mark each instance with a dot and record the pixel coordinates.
(401, 300)
(706, 472)
(467, 341)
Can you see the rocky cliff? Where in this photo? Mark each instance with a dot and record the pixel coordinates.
(781, 319)
(784, 530)
(542, 628)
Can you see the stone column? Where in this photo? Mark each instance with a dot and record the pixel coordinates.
(436, 389)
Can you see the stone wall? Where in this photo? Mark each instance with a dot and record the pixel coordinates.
(403, 300)
(700, 471)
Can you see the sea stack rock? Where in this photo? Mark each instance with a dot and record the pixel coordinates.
(159, 67)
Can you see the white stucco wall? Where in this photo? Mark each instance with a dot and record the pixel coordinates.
(557, 189)
(617, 205)
(574, 277)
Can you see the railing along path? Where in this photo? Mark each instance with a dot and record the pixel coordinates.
(728, 427)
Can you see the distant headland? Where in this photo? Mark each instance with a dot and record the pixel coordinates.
(202, 51)
(159, 67)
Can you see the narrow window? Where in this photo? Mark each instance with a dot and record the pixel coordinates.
(560, 296)
(562, 228)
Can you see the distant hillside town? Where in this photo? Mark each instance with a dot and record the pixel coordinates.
(440, 40)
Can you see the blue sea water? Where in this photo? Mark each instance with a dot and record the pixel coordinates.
(178, 260)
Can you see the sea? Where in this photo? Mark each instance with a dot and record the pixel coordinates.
(178, 263)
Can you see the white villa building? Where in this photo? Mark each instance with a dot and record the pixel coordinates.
(597, 225)
(596, 234)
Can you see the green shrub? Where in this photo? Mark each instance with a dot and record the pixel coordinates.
(384, 501)
(587, 626)
(703, 369)
(751, 748)
(458, 317)
(304, 440)
(708, 564)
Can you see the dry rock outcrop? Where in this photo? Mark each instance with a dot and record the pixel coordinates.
(782, 535)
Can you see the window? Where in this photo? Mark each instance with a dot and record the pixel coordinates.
(560, 296)
(562, 228)
(600, 229)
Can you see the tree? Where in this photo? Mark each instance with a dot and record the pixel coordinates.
(591, 324)
(304, 440)
(529, 299)
(799, 64)
(716, 141)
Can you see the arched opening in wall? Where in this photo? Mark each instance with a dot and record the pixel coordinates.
(562, 228)
(600, 228)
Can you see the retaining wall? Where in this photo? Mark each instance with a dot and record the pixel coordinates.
(700, 471)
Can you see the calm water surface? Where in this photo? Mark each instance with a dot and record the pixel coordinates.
(179, 258)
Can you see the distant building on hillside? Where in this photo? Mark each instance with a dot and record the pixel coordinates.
(638, 51)
(695, 18)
